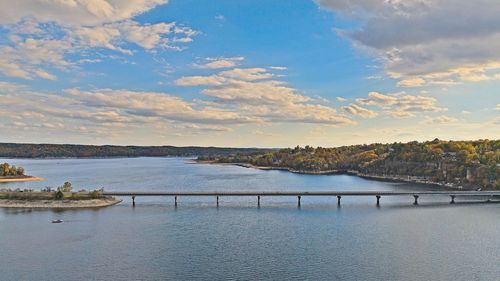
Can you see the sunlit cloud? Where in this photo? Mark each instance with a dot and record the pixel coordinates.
(402, 105)
(253, 91)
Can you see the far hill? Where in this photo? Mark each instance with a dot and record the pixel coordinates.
(21, 150)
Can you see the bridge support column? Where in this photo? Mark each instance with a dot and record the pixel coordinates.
(452, 199)
(217, 201)
(175, 199)
(133, 200)
(338, 199)
(378, 200)
(416, 199)
(258, 201)
(298, 201)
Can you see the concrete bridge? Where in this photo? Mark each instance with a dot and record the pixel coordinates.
(488, 195)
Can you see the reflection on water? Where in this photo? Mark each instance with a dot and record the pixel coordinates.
(238, 240)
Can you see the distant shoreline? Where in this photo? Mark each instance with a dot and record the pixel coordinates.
(387, 178)
(20, 179)
(59, 204)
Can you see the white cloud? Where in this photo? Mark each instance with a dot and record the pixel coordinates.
(74, 12)
(43, 33)
(427, 41)
(443, 119)
(357, 110)
(152, 104)
(215, 63)
(278, 67)
(375, 98)
(341, 99)
(401, 105)
(247, 74)
(220, 17)
(8, 88)
(252, 92)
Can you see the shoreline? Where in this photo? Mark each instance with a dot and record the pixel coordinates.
(58, 204)
(395, 178)
(20, 179)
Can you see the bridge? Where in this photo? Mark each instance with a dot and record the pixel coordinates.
(339, 194)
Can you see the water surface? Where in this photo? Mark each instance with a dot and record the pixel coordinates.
(238, 240)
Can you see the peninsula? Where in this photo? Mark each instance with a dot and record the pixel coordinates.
(453, 164)
(12, 173)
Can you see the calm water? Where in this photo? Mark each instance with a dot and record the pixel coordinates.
(238, 241)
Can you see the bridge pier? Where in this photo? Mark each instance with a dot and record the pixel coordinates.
(378, 200)
(416, 199)
(175, 199)
(133, 200)
(452, 199)
(217, 201)
(298, 201)
(258, 201)
(338, 199)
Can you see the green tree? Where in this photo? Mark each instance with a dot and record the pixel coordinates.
(65, 188)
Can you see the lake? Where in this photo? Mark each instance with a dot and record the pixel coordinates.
(238, 240)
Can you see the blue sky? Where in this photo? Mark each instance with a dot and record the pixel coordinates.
(248, 73)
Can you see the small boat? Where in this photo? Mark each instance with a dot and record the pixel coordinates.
(57, 221)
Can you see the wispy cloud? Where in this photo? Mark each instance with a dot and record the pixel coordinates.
(357, 110)
(215, 63)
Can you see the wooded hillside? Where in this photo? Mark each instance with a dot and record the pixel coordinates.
(471, 164)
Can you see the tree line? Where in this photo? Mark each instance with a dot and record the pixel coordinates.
(6, 170)
(16, 150)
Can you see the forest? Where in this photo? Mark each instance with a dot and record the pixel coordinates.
(466, 164)
(17, 150)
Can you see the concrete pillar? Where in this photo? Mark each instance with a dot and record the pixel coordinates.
(416, 199)
(338, 199)
(175, 198)
(378, 200)
(217, 201)
(133, 200)
(298, 201)
(258, 201)
(452, 199)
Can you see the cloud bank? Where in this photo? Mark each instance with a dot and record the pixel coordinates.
(425, 42)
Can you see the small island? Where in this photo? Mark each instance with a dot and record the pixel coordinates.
(61, 198)
(12, 173)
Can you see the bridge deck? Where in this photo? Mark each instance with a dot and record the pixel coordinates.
(303, 193)
(299, 194)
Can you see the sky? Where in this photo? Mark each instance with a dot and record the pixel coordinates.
(248, 73)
